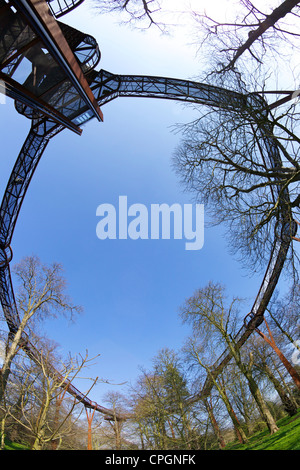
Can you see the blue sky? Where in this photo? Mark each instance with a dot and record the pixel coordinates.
(130, 290)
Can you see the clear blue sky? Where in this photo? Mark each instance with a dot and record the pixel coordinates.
(130, 290)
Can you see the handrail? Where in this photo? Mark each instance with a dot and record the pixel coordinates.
(60, 8)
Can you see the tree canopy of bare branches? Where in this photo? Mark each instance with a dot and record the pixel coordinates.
(137, 12)
(252, 30)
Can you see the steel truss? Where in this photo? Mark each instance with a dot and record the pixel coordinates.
(106, 87)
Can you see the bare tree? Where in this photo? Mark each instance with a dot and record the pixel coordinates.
(114, 431)
(210, 410)
(209, 315)
(243, 162)
(250, 29)
(195, 353)
(137, 12)
(240, 163)
(41, 294)
(46, 412)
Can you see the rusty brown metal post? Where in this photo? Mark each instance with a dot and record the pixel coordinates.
(90, 416)
(270, 340)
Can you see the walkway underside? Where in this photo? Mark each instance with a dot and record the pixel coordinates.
(106, 87)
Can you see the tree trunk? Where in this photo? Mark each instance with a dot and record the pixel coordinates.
(215, 424)
(10, 354)
(237, 426)
(38, 442)
(262, 406)
(270, 20)
(288, 404)
(288, 389)
(118, 435)
(254, 389)
(59, 399)
(2, 433)
(41, 423)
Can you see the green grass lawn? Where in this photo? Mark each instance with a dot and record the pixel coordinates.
(287, 438)
(14, 446)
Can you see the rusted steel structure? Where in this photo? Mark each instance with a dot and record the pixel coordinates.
(48, 68)
(51, 56)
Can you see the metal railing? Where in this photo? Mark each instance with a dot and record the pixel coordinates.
(60, 8)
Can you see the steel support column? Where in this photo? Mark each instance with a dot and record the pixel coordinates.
(90, 417)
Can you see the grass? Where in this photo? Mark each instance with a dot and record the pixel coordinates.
(287, 438)
(14, 446)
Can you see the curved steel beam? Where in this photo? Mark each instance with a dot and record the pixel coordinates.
(29, 157)
(35, 144)
(107, 86)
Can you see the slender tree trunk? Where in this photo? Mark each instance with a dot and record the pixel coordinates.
(237, 426)
(262, 406)
(283, 9)
(57, 406)
(254, 389)
(215, 424)
(41, 422)
(117, 428)
(243, 408)
(2, 433)
(288, 389)
(59, 399)
(10, 354)
(288, 404)
(141, 437)
(38, 442)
